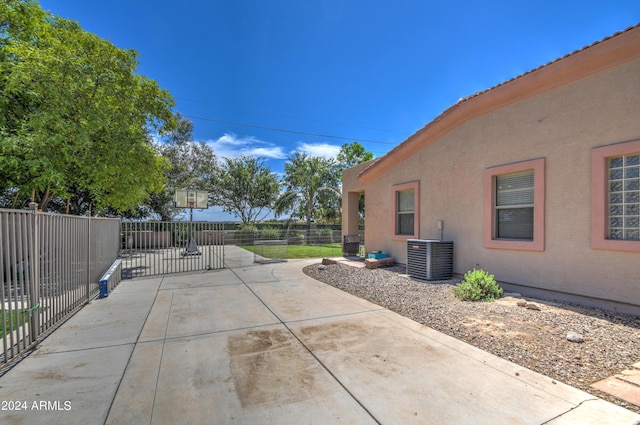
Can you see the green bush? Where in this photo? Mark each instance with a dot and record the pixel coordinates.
(246, 234)
(270, 233)
(294, 237)
(478, 285)
(324, 236)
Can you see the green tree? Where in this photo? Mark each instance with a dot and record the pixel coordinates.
(311, 184)
(352, 154)
(192, 166)
(245, 188)
(75, 117)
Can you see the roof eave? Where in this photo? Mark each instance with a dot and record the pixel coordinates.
(613, 51)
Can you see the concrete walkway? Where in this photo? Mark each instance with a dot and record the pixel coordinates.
(265, 344)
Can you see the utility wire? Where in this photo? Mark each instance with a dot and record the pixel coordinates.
(404, 133)
(328, 136)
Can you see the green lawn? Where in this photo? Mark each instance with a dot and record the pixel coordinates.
(298, 251)
(16, 318)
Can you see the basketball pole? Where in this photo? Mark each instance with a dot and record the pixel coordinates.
(189, 199)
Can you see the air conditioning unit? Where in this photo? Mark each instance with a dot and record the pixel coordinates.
(429, 259)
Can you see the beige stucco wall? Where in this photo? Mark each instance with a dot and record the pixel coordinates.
(561, 126)
(351, 190)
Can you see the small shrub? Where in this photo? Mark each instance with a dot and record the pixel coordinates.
(324, 236)
(478, 285)
(294, 237)
(270, 233)
(246, 234)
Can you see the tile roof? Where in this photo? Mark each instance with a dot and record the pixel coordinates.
(374, 164)
(548, 63)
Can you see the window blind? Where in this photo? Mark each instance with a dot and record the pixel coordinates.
(514, 206)
(405, 212)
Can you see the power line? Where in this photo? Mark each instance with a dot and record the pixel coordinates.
(328, 136)
(271, 143)
(405, 133)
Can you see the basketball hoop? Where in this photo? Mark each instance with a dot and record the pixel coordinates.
(191, 199)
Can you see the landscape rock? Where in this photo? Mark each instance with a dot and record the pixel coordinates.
(371, 263)
(322, 267)
(522, 303)
(328, 261)
(531, 340)
(575, 337)
(532, 306)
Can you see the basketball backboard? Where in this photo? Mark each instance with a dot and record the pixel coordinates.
(192, 199)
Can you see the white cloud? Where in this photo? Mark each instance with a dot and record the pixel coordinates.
(232, 139)
(324, 150)
(274, 152)
(230, 145)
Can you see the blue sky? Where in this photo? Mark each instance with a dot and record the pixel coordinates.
(311, 75)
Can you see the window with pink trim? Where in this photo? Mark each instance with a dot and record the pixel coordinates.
(514, 206)
(615, 197)
(406, 210)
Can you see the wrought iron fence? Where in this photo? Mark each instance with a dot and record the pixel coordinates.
(293, 236)
(49, 268)
(156, 248)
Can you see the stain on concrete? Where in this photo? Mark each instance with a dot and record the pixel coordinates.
(270, 368)
(366, 346)
(53, 375)
(204, 376)
(341, 336)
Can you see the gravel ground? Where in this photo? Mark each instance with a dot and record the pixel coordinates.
(535, 339)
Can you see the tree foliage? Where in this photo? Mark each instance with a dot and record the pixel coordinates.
(191, 166)
(75, 117)
(311, 185)
(245, 188)
(351, 154)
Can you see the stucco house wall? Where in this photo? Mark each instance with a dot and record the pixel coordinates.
(557, 129)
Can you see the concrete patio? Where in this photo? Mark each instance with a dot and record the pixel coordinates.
(265, 344)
